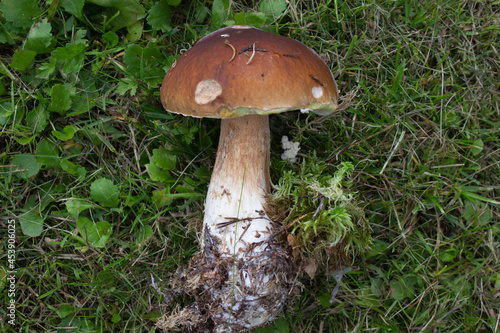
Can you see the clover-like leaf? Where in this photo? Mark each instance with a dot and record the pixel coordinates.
(69, 131)
(105, 192)
(95, 234)
(25, 165)
(75, 206)
(60, 99)
(31, 223)
(46, 153)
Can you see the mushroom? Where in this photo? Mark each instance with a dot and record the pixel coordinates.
(241, 74)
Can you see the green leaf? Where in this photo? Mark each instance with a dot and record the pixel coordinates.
(239, 18)
(127, 84)
(404, 288)
(80, 37)
(73, 169)
(60, 99)
(257, 19)
(161, 198)
(37, 118)
(25, 140)
(161, 162)
(134, 32)
(31, 223)
(143, 234)
(163, 158)
(21, 13)
(157, 174)
(200, 13)
(6, 35)
(40, 37)
(324, 300)
(477, 147)
(75, 206)
(6, 113)
(104, 192)
(65, 310)
(46, 153)
(70, 57)
(68, 134)
(220, 11)
(159, 16)
(81, 172)
(26, 165)
(143, 63)
(74, 7)
(94, 233)
(46, 69)
(274, 8)
(69, 167)
(448, 255)
(22, 59)
(110, 38)
(124, 12)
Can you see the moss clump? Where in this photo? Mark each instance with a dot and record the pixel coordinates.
(323, 220)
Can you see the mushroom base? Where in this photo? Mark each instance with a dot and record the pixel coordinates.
(232, 294)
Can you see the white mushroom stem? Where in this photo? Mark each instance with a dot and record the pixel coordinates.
(234, 210)
(237, 228)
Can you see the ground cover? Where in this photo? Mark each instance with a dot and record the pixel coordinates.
(102, 191)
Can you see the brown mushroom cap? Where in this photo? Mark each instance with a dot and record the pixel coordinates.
(241, 70)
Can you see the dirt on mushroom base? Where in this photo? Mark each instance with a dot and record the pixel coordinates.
(215, 281)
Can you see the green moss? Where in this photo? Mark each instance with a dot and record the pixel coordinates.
(324, 218)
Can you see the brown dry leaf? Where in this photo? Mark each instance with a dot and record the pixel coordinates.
(295, 252)
(310, 267)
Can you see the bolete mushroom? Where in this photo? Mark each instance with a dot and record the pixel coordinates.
(242, 74)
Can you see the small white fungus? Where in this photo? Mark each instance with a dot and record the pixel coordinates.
(291, 149)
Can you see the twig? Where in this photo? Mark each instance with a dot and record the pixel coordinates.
(253, 53)
(232, 47)
(232, 220)
(317, 80)
(251, 47)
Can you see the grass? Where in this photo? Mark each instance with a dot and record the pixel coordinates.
(102, 186)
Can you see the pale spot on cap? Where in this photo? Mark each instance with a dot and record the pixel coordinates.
(317, 92)
(207, 91)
